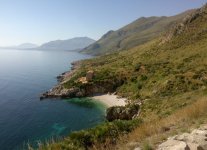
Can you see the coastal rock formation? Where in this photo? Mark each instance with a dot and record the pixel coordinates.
(87, 88)
(196, 140)
(61, 92)
(122, 112)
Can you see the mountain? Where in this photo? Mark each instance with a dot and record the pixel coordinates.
(166, 77)
(26, 46)
(138, 32)
(70, 44)
(23, 46)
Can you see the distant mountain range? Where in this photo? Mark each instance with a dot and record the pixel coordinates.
(23, 46)
(77, 43)
(26, 46)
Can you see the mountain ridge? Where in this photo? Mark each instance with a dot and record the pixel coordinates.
(138, 32)
(76, 43)
(26, 46)
(23, 46)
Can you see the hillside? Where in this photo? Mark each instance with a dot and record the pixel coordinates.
(153, 69)
(134, 34)
(167, 76)
(70, 44)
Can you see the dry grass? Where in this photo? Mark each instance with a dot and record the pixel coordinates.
(191, 112)
(155, 131)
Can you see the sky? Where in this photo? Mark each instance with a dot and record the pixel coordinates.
(40, 21)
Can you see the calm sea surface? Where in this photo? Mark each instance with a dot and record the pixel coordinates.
(24, 75)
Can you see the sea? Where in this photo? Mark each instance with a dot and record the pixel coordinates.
(24, 119)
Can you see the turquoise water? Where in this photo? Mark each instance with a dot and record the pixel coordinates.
(23, 117)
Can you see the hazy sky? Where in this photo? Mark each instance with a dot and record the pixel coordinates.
(39, 21)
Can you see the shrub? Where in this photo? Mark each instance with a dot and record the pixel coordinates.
(143, 77)
(139, 85)
(137, 67)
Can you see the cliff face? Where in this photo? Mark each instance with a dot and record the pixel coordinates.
(185, 24)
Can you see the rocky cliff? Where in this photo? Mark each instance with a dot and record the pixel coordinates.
(183, 26)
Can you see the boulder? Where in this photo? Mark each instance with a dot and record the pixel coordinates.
(122, 112)
(194, 146)
(173, 145)
(61, 92)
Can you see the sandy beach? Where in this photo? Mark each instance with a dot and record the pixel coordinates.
(110, 100)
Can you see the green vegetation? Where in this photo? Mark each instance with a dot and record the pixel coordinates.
(167, 74)
(138, 32)
(107, 132)
(157, 70)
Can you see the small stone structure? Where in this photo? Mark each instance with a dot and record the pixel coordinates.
(89, 75)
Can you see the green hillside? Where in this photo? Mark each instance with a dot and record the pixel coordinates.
(147, 70)
(168, 75)
(133, 34)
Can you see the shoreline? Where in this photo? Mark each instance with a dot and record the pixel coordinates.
(68, 74)
(110, 100)
(58, 91)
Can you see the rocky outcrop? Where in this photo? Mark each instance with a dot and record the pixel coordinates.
(61, 92)
(196, 140)
(182, 27)
(173, 145)
(84, 86)
(122, 112)
(87, 89)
